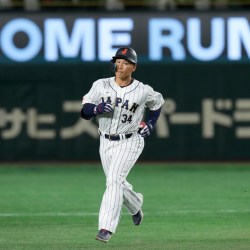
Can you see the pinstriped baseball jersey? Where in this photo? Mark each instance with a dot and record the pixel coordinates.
(129, 104)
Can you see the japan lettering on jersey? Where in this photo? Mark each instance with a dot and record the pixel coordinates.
(129, 104)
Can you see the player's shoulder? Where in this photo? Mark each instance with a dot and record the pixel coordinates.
(139, 83)
(102, 82)
(143, 85)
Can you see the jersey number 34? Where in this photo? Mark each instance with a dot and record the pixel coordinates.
(126, 118)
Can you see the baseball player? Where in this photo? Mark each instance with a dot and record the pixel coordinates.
(119, 103)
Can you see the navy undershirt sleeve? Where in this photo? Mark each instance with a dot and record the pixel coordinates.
(153, 116)
(87, 111)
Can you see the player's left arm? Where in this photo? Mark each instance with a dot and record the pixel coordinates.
(154, 103)
(146, 128)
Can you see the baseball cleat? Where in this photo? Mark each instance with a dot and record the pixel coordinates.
(103, 235)
(137, 218)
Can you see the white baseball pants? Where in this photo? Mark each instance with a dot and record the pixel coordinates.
(118, 157)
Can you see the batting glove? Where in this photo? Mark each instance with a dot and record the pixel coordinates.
(103, 107)
(145, 129)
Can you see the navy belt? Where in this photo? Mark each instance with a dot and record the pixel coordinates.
(116, 137)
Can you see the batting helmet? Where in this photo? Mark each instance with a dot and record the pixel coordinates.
(125, 53)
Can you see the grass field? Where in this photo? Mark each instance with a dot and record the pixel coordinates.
(186, 206)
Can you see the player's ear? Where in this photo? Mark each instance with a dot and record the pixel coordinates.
(134, 68)
(113, 66)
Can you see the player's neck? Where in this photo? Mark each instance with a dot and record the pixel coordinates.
(124, 82)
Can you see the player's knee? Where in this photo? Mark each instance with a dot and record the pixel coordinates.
(114, 180)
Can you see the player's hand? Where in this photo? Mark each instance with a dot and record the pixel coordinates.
(103, 107)
(145, 129)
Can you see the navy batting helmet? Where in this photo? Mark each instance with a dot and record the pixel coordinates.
(125, 53)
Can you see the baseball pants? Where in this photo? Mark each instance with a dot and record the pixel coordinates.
(118, 157)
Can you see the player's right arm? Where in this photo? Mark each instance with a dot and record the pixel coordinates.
(90, 105)
(90, 110)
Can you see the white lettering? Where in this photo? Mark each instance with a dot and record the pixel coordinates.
(238, 32)
(34, 40)
(89, 39)
(217, 39)
(172, 41)
(107, 38)
(82, 37)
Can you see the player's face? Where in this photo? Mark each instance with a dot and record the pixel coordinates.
(124, 68)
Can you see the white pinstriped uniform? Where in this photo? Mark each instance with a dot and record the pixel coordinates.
(118, 157)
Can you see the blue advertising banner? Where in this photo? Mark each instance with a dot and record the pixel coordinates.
(88, 37)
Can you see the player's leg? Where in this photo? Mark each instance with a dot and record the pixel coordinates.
(132, 201)
(105, 152)
(125, 155)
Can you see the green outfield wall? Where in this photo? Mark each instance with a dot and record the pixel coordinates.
(206, 115)
(199, 61)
